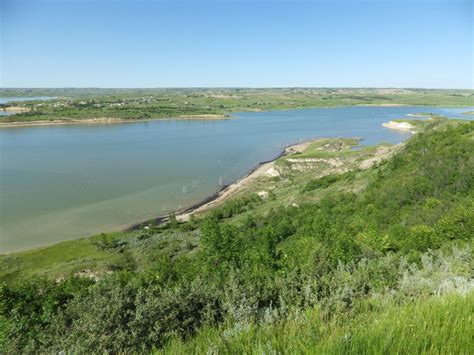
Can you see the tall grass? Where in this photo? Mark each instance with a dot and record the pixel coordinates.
(438, 325)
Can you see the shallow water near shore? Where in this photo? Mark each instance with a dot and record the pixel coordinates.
(64, 182)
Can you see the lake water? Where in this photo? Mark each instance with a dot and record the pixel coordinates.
(64, 182)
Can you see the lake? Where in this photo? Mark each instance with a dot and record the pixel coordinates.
(64, 182)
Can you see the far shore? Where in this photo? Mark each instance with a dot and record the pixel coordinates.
(114, 120)
(202, 117)
(15, 109)
(383, 105)
(107, 120)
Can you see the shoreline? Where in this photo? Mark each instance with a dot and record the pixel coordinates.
(15, 109)
(202, 205)
(222, 194)
(210, 117)
(400, 126)
(109, 120)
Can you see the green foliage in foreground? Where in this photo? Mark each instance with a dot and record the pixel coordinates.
(342, 274)
(327, 181)
(437, 325)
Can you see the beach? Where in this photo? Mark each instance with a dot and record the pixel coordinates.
(211, 201)
(400, 126)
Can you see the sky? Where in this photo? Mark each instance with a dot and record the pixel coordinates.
(145, 43)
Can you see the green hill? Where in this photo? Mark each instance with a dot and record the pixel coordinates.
(349, 251)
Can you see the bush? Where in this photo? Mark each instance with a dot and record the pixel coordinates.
(327, 181)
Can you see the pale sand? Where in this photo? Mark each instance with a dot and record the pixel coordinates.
(229, 191)
(417, 115)
(400, 126)
(268, 169)
(265, 169)
(383, 105)
(99, 120)
(202, 117)
(107, 120)
(16, 109)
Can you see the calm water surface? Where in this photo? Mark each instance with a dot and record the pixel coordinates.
(64, 182)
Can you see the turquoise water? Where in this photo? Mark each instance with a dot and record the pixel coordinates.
(64, 182)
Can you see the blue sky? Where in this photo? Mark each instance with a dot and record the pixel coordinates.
(138, 43)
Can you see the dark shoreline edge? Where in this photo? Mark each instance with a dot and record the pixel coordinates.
(159, 220)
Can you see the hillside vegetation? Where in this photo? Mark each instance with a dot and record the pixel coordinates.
(353, 251)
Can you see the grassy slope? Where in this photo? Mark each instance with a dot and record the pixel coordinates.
(96, 255)
(436, 325)
(121, 250)
(53, 260)
(155, 103)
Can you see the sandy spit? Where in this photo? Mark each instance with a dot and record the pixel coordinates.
(264, 168)
(400, 126)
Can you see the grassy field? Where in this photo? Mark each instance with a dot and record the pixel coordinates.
(79, 104)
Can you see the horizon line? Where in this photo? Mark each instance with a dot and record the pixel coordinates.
(232, 87)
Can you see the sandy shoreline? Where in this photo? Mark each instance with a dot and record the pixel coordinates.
(108, 120)
(205, 204)
(383, 105)
(15, 109)
(400, 126)
(101, 120)
(201, 117)
(223, 193)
